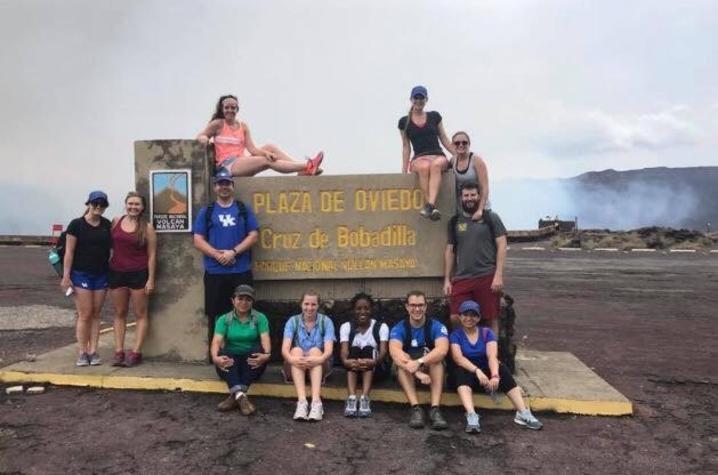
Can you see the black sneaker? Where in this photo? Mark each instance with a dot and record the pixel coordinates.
(437, 420)
(426, 211)
(417, 420)
(435, 214)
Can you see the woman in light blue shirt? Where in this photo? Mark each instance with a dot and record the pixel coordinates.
(307, 348)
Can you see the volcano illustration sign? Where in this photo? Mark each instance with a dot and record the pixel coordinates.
(170, 201)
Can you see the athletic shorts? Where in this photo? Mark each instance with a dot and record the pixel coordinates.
(130, 280)
(479, 290)
(88, 280)
(430, 158)
(463, 377)
(226, 164)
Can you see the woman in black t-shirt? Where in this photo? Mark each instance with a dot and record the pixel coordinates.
(85, 267)
(423, 131)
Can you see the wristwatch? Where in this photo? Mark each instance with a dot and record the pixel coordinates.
(421, 360)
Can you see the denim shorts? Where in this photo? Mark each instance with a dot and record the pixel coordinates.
(88, 280)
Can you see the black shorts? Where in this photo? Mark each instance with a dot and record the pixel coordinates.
(463, 377)
(130, 280)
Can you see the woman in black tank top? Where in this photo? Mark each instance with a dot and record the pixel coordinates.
(423, 131)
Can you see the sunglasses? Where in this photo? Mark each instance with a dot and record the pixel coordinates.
(419, 97)
(99, 204)
(460, 143)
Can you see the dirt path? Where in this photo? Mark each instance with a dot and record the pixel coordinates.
(646, 324)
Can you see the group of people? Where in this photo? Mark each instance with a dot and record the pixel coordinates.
(121, 255)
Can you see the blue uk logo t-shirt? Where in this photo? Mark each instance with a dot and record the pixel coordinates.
(227, 230)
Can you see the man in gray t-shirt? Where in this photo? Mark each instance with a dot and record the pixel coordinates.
(474, 259)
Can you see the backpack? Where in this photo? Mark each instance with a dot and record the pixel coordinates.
(252, 321)
(375, 332)
(427, 332)
(383, 367)
(210, 209)
(61, 245)
(297, 321)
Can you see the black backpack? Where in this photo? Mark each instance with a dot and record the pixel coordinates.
(61, 245)
(375, 331)
(383, 367)
(428, 343)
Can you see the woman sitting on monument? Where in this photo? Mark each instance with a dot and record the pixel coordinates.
(364, 346)
(307, 349)
(469, 168)
(231, 137)
(132, 275)
(85, 265)
(240, 349)
(474, 350)
(422, 131)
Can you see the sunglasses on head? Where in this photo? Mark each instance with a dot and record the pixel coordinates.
(459, 143)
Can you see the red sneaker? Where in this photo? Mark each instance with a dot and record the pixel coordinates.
(133, 359)
(314, 163)
(118, 359)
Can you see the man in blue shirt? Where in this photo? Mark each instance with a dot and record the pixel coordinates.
(418, 346)
(224, 232)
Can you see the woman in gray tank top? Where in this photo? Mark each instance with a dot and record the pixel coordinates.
(469, 168)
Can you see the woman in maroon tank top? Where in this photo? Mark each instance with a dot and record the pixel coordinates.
(132, 275)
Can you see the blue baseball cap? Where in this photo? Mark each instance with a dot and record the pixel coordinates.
(469, 306)
(223, 175)
(96, 196)
(419, 91)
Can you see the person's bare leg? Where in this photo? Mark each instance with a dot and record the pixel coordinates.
(516, 399)
(283, 163)
(466, 397)
(249, 166)
(120, 300)
(351, 383)
(367, 379)
(140, 301)
(436, 169)
(406, 381)
(315, 377)
(83, 305)
(298, 376)
(421, 168)
(436, 371)
(98, 298)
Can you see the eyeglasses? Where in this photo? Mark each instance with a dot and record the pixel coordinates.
(99, 204)
(416, 305)
(461, 143)
(419, 97)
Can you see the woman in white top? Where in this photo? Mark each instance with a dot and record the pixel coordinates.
(364, 346)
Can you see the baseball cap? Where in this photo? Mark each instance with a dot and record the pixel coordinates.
(419, 91)
(469, 306)
(223, 175)
(244, 290)
(96, 196)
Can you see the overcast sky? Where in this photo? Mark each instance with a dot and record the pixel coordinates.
(544, 88)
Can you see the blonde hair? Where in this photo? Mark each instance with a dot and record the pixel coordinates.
(142, 221)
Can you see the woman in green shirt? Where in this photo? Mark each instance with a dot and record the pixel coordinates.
(240, 349)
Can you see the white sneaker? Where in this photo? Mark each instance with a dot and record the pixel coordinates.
(350, 407)
(316, 412)
(300, 414)
(364, 407)
(527, 419)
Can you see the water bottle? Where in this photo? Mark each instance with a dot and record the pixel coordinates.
(55, 261)
(495, 396)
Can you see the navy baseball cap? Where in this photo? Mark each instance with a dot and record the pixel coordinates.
(419, 91)
(223, 175)
(97, 196)
(469, 306)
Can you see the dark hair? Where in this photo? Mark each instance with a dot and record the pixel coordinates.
(461, 132)
(470, 185)
(218, 112)
(416, 293)
(362, 296)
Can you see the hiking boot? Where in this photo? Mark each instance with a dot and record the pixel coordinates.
(364, 407)
(83, 360)
(133, 359)
(417, 421)
(228, 404)
(472, 423)
(350, 407)
(316, 412)
(300, 414)
(95, 359)
(435, 214)
(118, 359)
(437, 420)
(245, 405)
(426, 210)
(526, 419)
